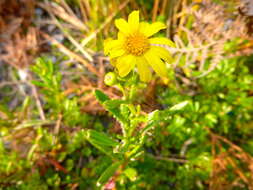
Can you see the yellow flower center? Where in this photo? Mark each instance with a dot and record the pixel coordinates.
(137, 44)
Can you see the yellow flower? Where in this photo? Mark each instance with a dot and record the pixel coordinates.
(134, 47)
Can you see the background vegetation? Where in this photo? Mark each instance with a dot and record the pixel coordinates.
(61, 126)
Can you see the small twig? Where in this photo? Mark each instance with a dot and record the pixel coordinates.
(185, 146)
(100, 82)
(38, 103)
(65, 5)
(155, 10)
(37, 100)
(164, 5)
(57, 128)
(58, 124)
(171, 159)
(224, 140)
(178, 160)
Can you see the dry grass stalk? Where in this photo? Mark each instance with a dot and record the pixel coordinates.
(21, 51)
(212, 27)
(235, 159)
(65, 14)
(72, 54)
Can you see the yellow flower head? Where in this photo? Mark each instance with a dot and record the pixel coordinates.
(134, 47)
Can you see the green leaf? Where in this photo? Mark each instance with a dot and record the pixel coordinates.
(116, 113)
(108, 173)
(154, 116)
(105, 149)
(101, 97)
(38, 83)
(102, 142)
(131, 173)
(100, 138)
(111, 104)
(33, 123)
(179, 106)
(178, 121)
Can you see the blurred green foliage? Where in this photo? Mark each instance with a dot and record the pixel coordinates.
(168, 148)
(222, 103)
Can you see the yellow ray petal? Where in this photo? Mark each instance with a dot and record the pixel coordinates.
(121, 36)
(117, 53)
(125, 64)
(144, 27)
(162, 53)
(150, 29)
(133, 21)
(162, 40)
(156, 63)
(122, 25)
(109, 45)
(143, 69)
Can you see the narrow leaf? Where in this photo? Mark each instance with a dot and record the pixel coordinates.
(101, 97)
(110, 104)
(179, 106)
(100, 138)
(108, 173)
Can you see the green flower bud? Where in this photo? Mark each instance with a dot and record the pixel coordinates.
(110, 79)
